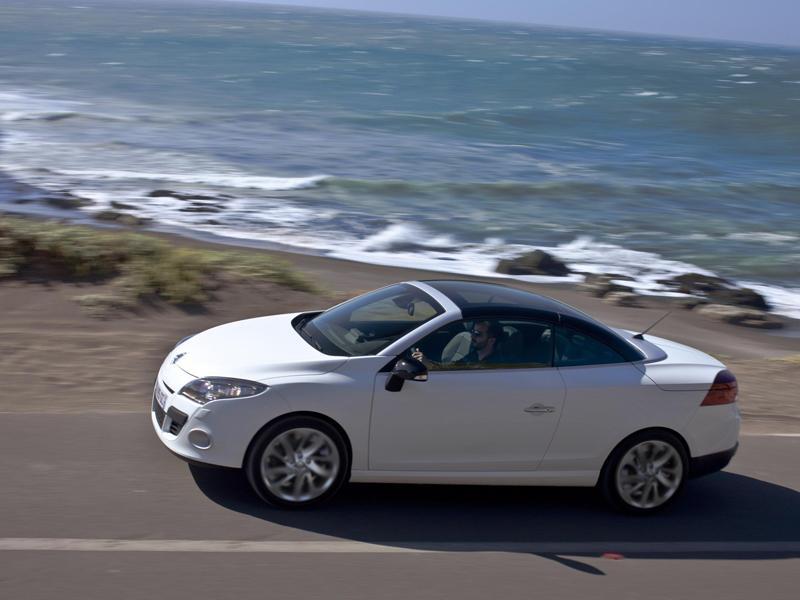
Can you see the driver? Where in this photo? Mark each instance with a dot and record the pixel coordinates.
(485, 336)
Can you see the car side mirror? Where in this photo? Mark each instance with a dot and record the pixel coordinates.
(406, 369)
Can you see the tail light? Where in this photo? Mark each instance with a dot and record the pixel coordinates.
(723, 390)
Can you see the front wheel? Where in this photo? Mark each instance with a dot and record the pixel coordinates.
(298, 462)
(646, 473)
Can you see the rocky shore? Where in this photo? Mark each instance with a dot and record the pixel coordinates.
(710, 296)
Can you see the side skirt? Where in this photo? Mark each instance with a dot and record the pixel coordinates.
(540, 478)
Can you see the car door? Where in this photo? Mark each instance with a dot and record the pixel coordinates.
(497, 415)
(607, 399)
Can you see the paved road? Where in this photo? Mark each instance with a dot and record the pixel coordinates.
(71, 483)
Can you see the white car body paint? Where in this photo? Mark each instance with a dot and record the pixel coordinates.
(684, 368)
(429, 433)
(257, 349)
(604, 405)
(483, 426)
(686, 373)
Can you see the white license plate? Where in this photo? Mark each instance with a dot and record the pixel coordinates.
(161, 395)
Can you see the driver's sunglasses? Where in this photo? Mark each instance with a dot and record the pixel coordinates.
(476, 333)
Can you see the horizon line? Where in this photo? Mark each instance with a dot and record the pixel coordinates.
(670, 36)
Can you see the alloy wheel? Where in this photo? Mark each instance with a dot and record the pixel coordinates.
(649, 474)
(300, 464)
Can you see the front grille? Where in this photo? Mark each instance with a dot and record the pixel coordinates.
(160, 414)
(177, 420)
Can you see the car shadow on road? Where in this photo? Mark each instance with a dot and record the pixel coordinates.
(719, 508)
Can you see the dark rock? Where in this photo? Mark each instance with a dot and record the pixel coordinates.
(106, 215)
(122, 205)
(66, 201)
(413, 247)
(628, 299)
(691, 283)
(598, 290)
(716, 289)
(691, 302)
(196, 197)
(739, 297)
(600, 285)
(747, 317)
(606, 277)
(537, 262)
(161, 194)
(761, 324)
(120, 218)
(201, 208)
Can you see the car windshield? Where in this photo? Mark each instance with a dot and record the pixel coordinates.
(369, 323)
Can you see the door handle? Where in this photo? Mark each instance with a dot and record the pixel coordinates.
(539, 408)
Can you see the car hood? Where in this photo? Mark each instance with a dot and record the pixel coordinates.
(255, 349)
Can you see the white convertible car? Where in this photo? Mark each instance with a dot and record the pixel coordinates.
(456, 382)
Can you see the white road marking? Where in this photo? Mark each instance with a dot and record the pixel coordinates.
(769, 434)
(341, 547)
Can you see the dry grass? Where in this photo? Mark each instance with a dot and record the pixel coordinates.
(140, 266)
(793, 359)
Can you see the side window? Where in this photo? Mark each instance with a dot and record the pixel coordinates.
(574, 348)
(487, 344)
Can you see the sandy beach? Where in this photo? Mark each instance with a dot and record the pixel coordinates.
(68, 361)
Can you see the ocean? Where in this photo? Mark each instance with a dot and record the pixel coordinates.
(411, 141)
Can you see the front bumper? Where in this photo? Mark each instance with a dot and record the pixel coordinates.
(173, 423)
(217, 433)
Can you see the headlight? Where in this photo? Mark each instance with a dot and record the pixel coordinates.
(215, 388)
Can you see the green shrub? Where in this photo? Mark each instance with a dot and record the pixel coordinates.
(138, 265)
(9, 258)
(180, 276)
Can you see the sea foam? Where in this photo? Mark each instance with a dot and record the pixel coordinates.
(230, 180)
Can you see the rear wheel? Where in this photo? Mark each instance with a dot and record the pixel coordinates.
(298, 462)
(646, 473)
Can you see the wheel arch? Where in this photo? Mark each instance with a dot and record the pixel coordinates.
(304, 413)
(624, 440)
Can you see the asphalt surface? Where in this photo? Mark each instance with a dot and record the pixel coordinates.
(92, 506)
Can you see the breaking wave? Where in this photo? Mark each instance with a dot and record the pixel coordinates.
(51, 116)
(231, 180)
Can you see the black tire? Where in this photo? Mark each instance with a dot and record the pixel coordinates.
(611, 472)
(261, 443)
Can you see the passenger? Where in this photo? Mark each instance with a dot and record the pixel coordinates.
(485, 337)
